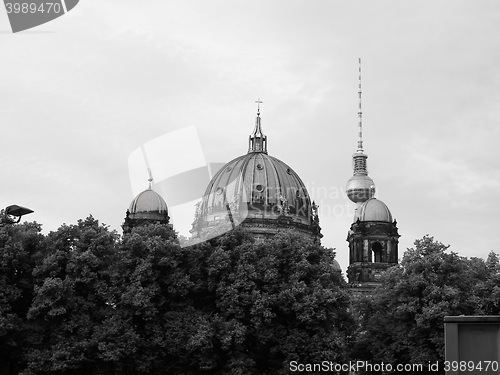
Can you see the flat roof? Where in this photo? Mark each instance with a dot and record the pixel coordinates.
(472, 319)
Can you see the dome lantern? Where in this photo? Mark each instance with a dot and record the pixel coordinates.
(257, 141)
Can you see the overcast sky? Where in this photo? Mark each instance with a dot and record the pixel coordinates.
(79, 94)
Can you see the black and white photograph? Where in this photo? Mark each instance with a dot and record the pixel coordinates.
(249, 187)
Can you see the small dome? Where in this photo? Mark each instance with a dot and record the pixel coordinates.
(149, 201)
(373, 210)
(147, 207)
(336, 265)
(360, 188)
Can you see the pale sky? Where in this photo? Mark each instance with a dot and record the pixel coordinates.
(81, 93)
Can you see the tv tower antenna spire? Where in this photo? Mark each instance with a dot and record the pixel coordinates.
(360, 114)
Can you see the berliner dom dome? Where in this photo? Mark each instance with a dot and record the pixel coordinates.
(260, 192)
(260, 185)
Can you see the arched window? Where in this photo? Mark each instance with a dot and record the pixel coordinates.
(377, 252)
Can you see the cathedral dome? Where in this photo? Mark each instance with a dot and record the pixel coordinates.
(258, 185)
(258, 191)
(374, 210)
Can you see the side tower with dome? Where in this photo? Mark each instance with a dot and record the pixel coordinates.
(373, 235)
(148, 207)
(258, 192)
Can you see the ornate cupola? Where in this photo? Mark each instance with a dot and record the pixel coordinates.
(373, 235)
(258, 192)
(148, 207)
(373, 244)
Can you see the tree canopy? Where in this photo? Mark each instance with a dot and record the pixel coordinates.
(402, 322)
(83, 300)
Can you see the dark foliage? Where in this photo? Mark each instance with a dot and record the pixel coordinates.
(402, 322)
(83, 301)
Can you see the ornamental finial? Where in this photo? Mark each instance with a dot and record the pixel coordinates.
(258, 101)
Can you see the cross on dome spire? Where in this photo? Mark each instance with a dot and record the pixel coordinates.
(257, 141)
(258, 101)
